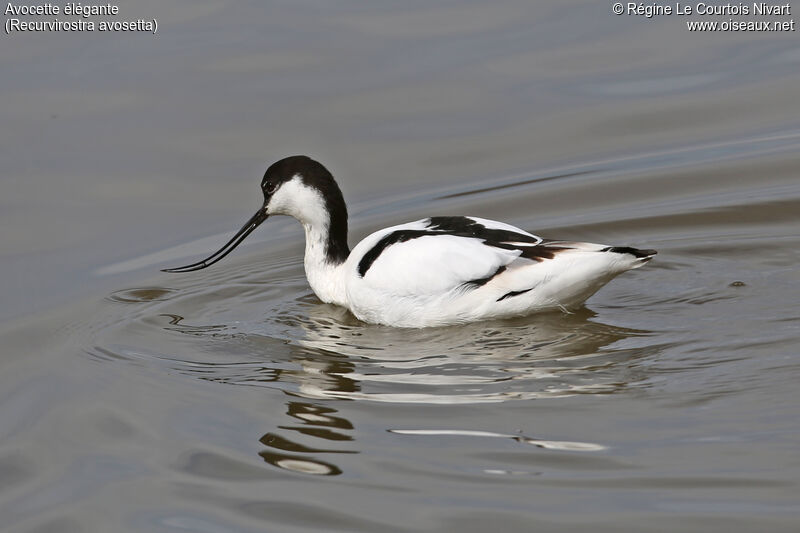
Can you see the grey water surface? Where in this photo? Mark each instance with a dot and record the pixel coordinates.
(232, 400)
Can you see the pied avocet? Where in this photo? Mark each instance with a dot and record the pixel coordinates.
(432, 272)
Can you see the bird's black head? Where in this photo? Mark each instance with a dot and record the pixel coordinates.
(311, 196)
(311, 173)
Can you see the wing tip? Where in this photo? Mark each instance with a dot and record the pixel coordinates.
(638, 253)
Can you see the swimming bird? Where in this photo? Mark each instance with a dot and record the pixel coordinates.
(437, 271)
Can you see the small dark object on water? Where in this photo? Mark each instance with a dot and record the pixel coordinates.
(737, 284)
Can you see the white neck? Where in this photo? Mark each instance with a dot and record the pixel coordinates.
(326, 278)
(306, 204)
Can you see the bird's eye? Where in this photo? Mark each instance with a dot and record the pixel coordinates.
(270, 187)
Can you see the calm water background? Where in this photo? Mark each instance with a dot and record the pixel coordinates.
(231, 400)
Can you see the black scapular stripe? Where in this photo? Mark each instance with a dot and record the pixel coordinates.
(394, 237)
(466, 227)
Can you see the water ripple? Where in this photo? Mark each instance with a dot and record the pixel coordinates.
(319, 351)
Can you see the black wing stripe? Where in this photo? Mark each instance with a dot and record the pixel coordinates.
(513, 293)
(636, 252)
(475, 283)
(541, 252)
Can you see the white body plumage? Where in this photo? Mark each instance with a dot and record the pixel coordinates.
(429, 280)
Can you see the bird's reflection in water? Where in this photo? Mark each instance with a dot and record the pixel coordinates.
(550, 355)
(319, 354)
(315, 421)
(338, 357)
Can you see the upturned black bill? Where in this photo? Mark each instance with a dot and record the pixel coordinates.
(248, 228)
